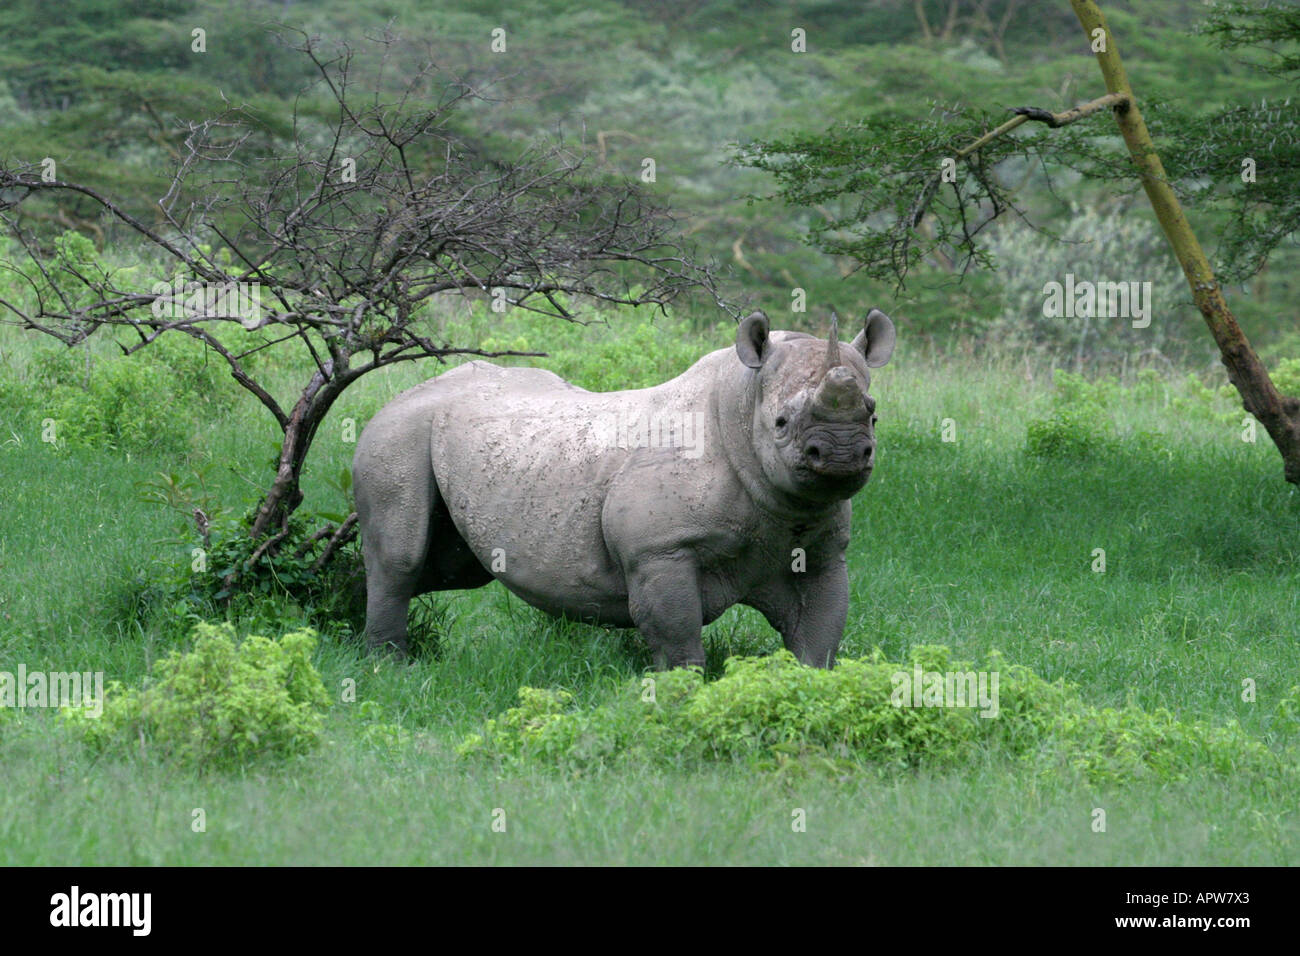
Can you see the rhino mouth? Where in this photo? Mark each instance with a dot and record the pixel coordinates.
(838, 454)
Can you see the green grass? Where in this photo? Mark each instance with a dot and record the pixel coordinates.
(972, 544)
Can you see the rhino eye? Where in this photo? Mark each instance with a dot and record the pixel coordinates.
(780, 421)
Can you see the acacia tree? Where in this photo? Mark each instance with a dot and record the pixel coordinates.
(336, 240)
(903, 209)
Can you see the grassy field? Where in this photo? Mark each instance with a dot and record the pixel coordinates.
(972, 543)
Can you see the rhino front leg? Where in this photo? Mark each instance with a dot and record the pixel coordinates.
(663, 598)
(810, 610)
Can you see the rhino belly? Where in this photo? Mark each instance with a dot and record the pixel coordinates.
(519, 462)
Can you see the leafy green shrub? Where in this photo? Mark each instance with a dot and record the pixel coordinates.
(1080, 423)
(1110, 745)
(220, 705)
(639, 356)
(1286, 376)
(121, 407)
(632, 352)
(285, 573)
(1198, 402)
(774, 711)
(1074, 390)
(546, 728)
(188, 578)
(151, 399)
(1071, 432)
(764, 708)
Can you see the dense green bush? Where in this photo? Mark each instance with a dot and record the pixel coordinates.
(1286, 376)
(1112, 745)
(635, 352)
(192, 576)
(773, 711)
(150, 400)
(1080, 423)
(1069, 432)
(97, 397)
(284, 574)
(219, 706)
(378, 733)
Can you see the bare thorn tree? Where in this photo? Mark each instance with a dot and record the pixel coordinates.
(336, 239)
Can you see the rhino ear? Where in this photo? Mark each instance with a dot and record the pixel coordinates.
(751, 339)
(876, 340)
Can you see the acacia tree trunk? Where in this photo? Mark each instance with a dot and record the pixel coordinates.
(1279, 414)
(284, 495)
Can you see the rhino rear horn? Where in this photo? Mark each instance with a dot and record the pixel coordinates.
(833, 344)
(751, 339)
(876, 340)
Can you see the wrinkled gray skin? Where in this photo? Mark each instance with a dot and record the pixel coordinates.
(518, 471)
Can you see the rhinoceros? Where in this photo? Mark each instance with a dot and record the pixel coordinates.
(654, 508)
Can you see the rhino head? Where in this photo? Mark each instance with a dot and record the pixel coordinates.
(813, 426)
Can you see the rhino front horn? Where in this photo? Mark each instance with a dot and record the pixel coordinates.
(839, 398)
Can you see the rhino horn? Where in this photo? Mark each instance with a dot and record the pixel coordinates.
(839, 398)
(833, 359)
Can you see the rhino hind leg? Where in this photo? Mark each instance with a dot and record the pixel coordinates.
(410, 546)
(394, 541)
